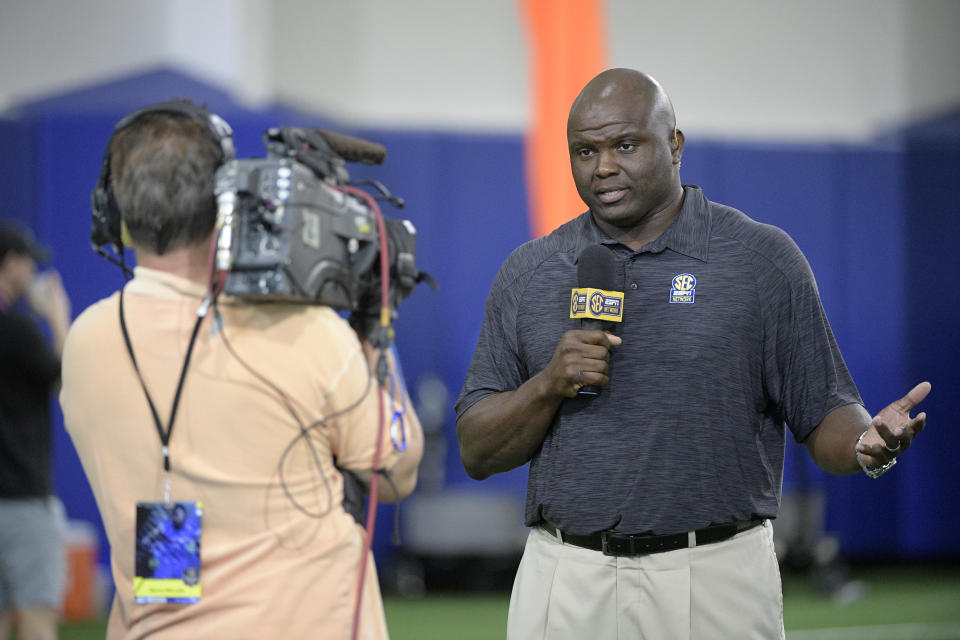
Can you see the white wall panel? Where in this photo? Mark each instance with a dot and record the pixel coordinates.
(932, 57)
(425, 63)
(49, 46)
(810, 70)
(747, 69)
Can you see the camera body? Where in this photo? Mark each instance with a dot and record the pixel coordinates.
(289, 229)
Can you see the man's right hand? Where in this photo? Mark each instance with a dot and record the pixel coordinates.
(581, 358)
(505, 429)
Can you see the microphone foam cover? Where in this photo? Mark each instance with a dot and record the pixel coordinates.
(597, 268)
(354, 149)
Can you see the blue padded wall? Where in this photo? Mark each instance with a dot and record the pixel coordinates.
(876, 224)
(842, 205)
(931, 231)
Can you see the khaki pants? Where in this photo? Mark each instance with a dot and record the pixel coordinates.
(721, 591)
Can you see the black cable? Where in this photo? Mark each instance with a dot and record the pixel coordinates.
(304, 430)
(395, 538)
(122, 262)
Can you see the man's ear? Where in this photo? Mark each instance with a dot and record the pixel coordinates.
(125, 235)
(676, 144)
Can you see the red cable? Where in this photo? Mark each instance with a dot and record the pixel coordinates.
(217, 287)
(217, 280)
(384, 258)
(378, 448)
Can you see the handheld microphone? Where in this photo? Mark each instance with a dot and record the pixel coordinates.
(595, 300)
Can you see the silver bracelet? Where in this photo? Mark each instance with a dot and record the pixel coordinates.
(872, 472)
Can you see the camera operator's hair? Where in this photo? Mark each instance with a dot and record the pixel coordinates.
(162, 174)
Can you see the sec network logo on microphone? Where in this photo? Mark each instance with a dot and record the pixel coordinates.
(597, 304)
(683, 289)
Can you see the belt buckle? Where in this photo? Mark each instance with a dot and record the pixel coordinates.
(606, 537)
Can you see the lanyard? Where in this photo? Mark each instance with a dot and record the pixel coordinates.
(164, 434)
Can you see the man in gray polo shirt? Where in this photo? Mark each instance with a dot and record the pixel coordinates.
(650, 502)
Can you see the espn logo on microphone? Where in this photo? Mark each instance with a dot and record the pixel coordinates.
(597, 304)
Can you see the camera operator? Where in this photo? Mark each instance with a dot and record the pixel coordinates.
(256, 408)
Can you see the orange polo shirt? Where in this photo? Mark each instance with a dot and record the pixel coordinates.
(279, 555)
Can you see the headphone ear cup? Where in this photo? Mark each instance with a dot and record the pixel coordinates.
(105, 221)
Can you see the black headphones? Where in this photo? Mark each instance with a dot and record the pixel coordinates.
(105, 225)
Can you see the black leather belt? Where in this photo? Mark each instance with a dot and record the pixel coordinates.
(621, 544)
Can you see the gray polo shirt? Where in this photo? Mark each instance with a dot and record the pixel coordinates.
(724, 343)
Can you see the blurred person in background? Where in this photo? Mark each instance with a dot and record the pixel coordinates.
(650, 503)
(277, 400)
(32, 523)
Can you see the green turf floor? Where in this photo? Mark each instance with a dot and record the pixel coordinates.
(901, 604)
(896, 604)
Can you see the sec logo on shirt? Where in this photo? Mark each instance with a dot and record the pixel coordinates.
(683, 289)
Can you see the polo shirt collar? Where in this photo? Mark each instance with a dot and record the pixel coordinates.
(689, 234)
(163, 284)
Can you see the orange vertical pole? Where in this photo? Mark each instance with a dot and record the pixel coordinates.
(567, 48)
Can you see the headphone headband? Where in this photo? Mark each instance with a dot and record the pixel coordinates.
(105, 224)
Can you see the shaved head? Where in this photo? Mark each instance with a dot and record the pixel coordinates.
(653, 106)
(625, 152)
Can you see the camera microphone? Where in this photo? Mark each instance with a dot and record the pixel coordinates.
(354, 149)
